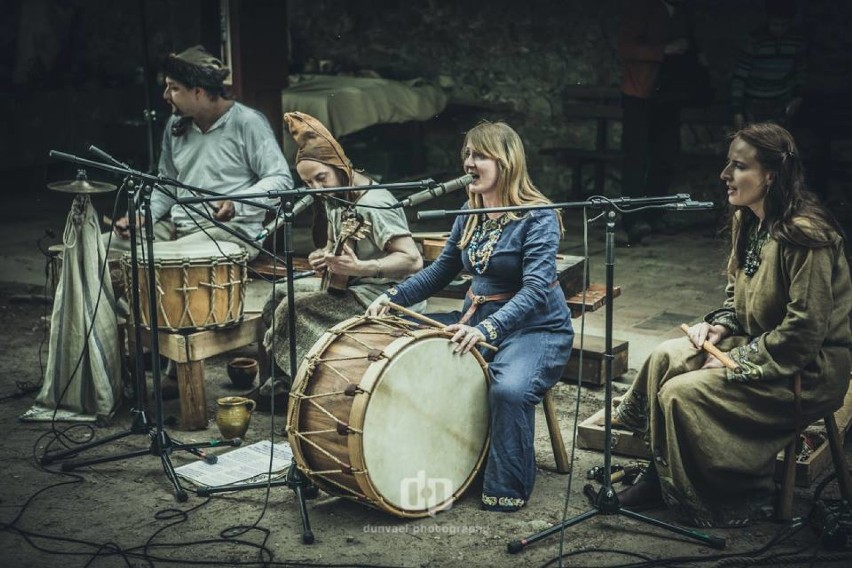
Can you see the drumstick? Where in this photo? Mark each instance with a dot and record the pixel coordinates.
(715, 352)
(430, 321)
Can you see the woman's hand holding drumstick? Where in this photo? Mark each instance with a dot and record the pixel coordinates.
(715, 352)
(430, 322)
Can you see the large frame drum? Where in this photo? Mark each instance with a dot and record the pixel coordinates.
(385, 413)
(198, 286)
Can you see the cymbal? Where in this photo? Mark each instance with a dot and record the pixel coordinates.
(81, 186)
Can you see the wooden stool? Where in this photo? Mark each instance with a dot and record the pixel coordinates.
(560, 454)
(189, 351)
(784, 508)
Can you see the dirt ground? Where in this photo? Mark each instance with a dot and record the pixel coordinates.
(124, 513)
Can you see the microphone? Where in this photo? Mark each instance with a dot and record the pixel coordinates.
(437, 191)
(429, 215)
(106, 157)
(690, 205)
(300, 206)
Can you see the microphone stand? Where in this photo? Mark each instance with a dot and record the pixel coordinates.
(161, 444)
(606, 501)
(294, 478)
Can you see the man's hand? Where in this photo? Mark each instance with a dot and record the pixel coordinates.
(224, 211)
(317, 261)
(346, 263)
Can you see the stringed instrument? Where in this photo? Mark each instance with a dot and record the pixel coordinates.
(353, 228)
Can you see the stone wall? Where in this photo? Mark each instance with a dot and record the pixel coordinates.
(518, 62)
(70, 72)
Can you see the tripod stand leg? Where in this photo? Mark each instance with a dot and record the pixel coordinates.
(709, 540)
(180, 494)
(516, 546)
(72, 465)
(300, 483)
(51, 457)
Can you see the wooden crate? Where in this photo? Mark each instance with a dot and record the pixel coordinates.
(590, 436)
(812, 467)
(594, 371)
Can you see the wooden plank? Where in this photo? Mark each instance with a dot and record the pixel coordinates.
(590, 436)
(199, 345)
(594, 368)
(204, 344)
(595, 299)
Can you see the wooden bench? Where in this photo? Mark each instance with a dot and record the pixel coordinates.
(188, 351)
(602, 105)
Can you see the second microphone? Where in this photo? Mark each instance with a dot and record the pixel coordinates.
(437, 191)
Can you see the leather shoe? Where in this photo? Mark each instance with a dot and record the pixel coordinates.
(264, 403)
(645, 494)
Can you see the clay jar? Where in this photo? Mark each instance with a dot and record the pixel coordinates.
(233, 415)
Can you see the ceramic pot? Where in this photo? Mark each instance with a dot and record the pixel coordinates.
(242, 372)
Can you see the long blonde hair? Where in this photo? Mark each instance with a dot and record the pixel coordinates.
(498, 141)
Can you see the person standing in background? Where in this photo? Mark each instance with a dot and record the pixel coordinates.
(769, 76)
(653, 35)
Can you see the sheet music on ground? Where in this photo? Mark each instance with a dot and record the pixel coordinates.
(244, 464)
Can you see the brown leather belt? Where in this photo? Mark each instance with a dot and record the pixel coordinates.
(476, 301)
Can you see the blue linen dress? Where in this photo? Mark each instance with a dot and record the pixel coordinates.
(532, 330)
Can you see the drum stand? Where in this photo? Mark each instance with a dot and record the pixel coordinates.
(606, 502)
(161, 443)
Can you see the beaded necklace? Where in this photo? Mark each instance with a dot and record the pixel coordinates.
(756, 240)
(483, 240)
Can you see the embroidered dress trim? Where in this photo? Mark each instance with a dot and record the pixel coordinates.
(483, 240)
(632, 413)
(502, 503)
(490, 328)
(748, 371)
(756, 240)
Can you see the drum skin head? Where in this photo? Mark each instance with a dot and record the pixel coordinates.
(426, 426)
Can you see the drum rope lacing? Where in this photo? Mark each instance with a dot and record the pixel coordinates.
(400, 327)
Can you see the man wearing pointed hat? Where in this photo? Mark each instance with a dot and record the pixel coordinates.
(213, 143)
(380, 256)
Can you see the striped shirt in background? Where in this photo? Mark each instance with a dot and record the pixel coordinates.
(771, 68)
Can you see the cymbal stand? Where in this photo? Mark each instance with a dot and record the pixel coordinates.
(161, 443)
(606, 502)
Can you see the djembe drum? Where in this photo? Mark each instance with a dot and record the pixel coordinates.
(198, 286)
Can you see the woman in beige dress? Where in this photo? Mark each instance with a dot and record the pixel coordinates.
(713, 432)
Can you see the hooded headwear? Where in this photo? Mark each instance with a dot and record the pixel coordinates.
(195, 67)
(316, 143)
